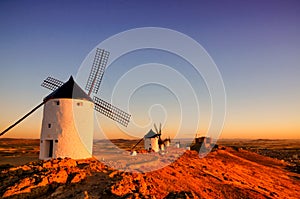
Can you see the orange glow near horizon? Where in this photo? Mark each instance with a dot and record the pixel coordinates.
(244, 124)
(238, 131)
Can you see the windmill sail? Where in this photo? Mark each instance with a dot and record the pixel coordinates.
(159, 128)
(156, 130)
(111, 111)
(137, 143)
(52, 83)
(97, 71)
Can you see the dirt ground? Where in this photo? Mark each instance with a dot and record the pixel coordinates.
(228, 172)
(15, 152)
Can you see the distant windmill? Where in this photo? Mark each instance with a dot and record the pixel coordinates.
(67, 127)
(152, 140)
(167, 141)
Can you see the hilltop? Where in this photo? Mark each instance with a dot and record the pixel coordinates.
(224, 173)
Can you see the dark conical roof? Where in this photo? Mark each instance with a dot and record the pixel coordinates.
(151, 134)
(68, 90)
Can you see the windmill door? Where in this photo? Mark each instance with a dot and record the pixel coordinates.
(49, 148)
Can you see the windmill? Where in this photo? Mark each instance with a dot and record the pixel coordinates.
(67, 126)
(152, 139)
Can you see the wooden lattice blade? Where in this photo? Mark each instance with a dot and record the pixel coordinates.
(111, 111)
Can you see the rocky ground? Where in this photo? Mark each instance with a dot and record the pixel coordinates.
(224, 173)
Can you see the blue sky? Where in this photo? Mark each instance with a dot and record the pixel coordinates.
(255, 45)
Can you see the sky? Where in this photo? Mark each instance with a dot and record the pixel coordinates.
(255, 45)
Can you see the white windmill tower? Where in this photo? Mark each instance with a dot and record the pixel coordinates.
(151, 141)
(67, 126)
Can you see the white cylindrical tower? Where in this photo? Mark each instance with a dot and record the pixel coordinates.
(151, 141)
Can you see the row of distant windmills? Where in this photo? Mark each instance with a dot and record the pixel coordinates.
(153, 141)
(67, 126)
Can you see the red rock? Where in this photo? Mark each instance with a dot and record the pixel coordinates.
(67, 162)
(78, 177)
(22, 187)
(60, 177)
(47, 164)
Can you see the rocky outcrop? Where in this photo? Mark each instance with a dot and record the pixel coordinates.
(225, 173)
(38, 178)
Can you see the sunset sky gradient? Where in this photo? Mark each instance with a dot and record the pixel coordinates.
(255, 44)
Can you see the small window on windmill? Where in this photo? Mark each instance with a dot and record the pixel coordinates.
(56, 141)
(56, 102)
(79, 104)
(49, 125)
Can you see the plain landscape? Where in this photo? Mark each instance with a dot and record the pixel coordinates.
(236, 169)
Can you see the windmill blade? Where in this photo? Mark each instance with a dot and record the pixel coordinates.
(159, 128)
(52, 83)
(111, 111)
(137, 144)
(97, 71)
(20, 120)
(156, 128)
